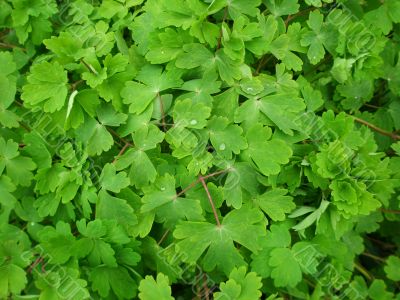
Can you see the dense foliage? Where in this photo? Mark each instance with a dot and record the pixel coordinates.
(199, 149)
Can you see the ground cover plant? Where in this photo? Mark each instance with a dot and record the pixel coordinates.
(199, 149)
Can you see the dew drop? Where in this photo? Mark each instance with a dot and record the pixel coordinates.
(193, 122)
(162, 188)
(249, 89)
(222, 147)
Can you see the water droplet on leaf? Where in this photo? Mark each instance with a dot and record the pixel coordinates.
(222, 147)
(193, 122)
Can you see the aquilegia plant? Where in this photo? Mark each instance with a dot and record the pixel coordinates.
(199, 149)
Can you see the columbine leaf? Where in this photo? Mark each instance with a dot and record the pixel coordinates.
(286, 270)
(392, 268)
(275, 203)
(268, 154)
(112, 181)
(242, 226)
(153, 81)
(240, 286)
(155, 289)
(47, 86)
(17, 167)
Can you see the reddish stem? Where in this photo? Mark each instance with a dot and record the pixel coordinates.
(75, 84)
(162, 112)
(205, 286)
(34, 264)
(221, 32)
(390, 211)
(210, 200)
(377, 129)
(112, 131)
(9, 46)
(121, 153)
(193, 184)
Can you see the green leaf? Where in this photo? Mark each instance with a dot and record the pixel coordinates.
(240, 286)
(148, 137)
(286, 270)
(275, 203)
(96, 137)
(268, 154)
(116, 279)
(229, 69)
(155, 289)
(242, 226)
(282, 7)
(392, 268)
(19, 168)
(13, 280)
(111, 181)
(47, 86)
(187, 114)
(237, 7)
(8, 89)
(226, 139)
(58, 242)
(161, 198)
(194, 55)
(112, 208)
(315, 38)
(153, 81)
(377, 290)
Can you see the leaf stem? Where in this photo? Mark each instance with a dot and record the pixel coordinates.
(371, 106)
(193, 184)
(26, 127)
(373, 256)
(298, 14)
(10, 46)
(112, 131)
(162, 112)
(263, 62)
(210, 200)
(121, 152)
(390, 211)
(164, 236)
(363, 271)
(221, 31)
(384, 244)
(377, 129)
(89, 67)
(75, 84)
(205, 286)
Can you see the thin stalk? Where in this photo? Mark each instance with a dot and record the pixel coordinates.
(377, 129)
(164, 236)
(162, 112)
(373, 256)
(221, 32)
(210, 200)
(121, 153)
(390, 211)
(363, 271)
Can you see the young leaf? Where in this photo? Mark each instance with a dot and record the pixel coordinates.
(240, 286)
(155, 289)
(244, 226)
(47, 86)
